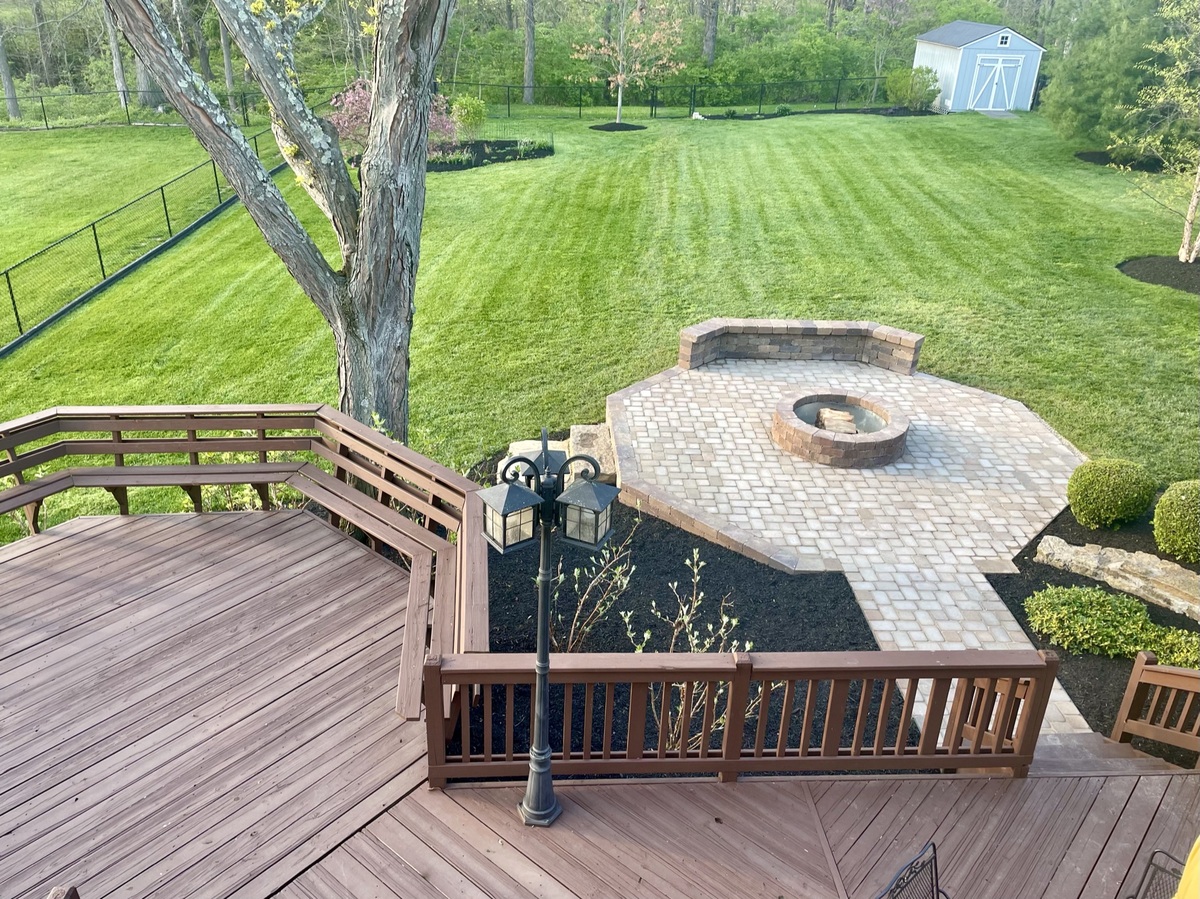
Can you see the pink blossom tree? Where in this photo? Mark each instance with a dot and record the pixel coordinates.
(352, 117)
(644, 47)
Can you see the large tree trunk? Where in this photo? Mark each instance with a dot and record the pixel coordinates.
(6, 80)
(227, 60)
(376, 317)
(529, 52)
(114, 48)
(369, 303)
(709, 8)
(43, 39)
(620, 99)
(1189, 249)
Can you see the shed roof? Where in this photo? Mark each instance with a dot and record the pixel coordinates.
(961, 33)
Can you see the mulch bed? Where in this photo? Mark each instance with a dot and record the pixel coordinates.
(1102, 157)
(1095, 683)
(485, 152)
(1165, 271)
(617, 126)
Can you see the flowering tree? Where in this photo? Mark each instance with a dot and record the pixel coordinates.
(1167, 114)
(368, 298)
(644, 47)
(352, 117)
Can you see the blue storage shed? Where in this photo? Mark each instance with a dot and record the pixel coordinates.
(981, 67)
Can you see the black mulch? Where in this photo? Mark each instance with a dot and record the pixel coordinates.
(1165, 271)
(1102, 157)
(1095, 683)
(617, 126)
(485, 152)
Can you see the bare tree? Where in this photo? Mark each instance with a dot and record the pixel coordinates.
(6, 80)
(369, 301)
(708, 11)
(42, 30)
(114, 48)
(529, 52)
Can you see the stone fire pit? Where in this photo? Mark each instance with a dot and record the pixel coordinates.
(838, 428)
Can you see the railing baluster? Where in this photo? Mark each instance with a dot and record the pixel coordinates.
(885, 712)
(567, 703)
(764, 707)
(785, 718)
(1008, 688)
(509, 724)
(835, 717)
(487, 722)
(706, 725)
(635, 742)
(960, 712)
(664, 718)
(906, 714)
(610, 695)
(810, 716)
(464, 715)
(588, 701)
(934, 710)
(860, 724)
(685, 719)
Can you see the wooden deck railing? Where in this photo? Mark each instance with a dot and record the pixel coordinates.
(427, 513)
(1161, 703)
(660, 713)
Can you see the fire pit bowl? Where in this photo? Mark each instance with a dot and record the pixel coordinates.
(860, 431)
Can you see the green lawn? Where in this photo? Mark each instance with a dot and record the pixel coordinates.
(53, 182)
(546, 285)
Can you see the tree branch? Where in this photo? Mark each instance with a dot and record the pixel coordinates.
(310, 143)
(143, 26)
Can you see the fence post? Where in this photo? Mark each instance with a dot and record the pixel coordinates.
(508, 98)
(653, 100)
(128, 118)
(735, 716)
(13, 299)
(692, 103)
(167, 215)
(217, 181)
(837, 96)
(256, 150)
(245, 112)
(762, 90)
(99, 255)
(581, 101)
(45, 119)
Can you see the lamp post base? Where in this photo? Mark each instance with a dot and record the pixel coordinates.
(539, 818)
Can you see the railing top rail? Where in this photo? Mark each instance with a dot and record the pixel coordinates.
(616, 666)
(130, 414)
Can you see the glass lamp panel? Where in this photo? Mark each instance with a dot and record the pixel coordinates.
(604, 522)
(493, 524)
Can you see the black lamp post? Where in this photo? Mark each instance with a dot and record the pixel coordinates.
(583, 511)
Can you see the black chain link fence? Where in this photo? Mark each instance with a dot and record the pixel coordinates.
(68, 109)
(680, 100)
(40, 285)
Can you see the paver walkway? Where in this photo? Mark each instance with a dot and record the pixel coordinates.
(981, 476)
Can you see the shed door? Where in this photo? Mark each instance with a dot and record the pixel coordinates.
(995, 83)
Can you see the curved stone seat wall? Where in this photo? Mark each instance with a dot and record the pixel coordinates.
(798, 339)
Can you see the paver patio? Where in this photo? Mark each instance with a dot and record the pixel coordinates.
(980, 477)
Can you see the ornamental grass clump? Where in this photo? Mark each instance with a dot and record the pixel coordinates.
(1106, 493)
(1088, 619)
(1177, 521)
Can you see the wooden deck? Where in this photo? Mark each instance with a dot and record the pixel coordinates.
(203, 706)
(194, 705)
(803, 838)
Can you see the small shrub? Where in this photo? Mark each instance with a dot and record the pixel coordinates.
(1109, 492)
(469, 114)
(450, 157)
(1088, 619)
(783, 109)
(731, 113)
(916, 88)
(443, 129)
(1177, 521)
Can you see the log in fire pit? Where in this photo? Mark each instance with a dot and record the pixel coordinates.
(841, 429)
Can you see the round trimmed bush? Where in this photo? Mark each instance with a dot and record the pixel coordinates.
(1106, 493)
(1177, 521)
